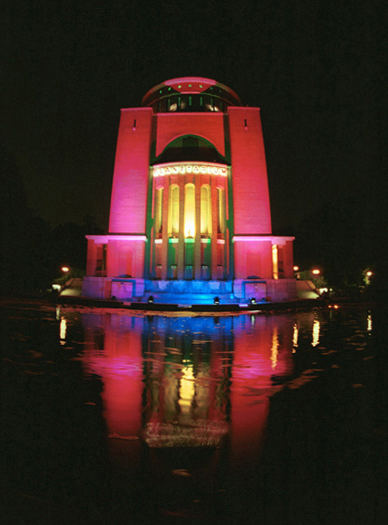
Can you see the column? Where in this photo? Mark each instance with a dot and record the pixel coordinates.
(213, 189)
(288, 260)
(181, 244)
(197, 247)
(166, 196)
(91, 259)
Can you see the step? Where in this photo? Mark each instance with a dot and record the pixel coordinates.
(181, 287)
(197, 298)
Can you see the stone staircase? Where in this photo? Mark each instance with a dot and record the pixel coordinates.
(189, 292)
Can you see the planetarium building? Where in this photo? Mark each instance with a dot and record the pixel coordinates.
(190, 213)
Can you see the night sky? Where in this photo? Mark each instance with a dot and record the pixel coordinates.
(315, 69)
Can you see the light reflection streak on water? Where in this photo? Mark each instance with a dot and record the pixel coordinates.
(62, 330)
(295, 335)
(369, 325)
(187, 388)
(316, 328)
(274, 348)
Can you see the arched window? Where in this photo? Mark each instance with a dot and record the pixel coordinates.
(189, 210)
(275, 262)
(221, 210)
(206, 211)
(173, 210)
(159, 211)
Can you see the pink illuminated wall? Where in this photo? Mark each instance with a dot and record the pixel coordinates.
(253, 258)
(130, 180)
(209, 126)
(250, 185)
(125, 258)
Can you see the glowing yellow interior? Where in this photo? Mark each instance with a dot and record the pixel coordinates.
(189, 227)
(275, 265)
(159, 210)
(206, 211)
(173, 210)
(221, 210)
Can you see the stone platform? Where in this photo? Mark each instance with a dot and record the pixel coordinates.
(189, 292)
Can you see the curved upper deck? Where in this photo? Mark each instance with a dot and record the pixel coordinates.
(190, 94)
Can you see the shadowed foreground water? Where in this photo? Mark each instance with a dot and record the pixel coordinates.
(115, 418)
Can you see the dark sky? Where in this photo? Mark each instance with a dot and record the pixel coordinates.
(314, 68)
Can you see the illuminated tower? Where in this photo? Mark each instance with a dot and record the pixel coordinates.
(190, 213)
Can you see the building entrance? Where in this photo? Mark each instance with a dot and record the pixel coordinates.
(190, 222)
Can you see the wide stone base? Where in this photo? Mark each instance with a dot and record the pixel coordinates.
(269, 290)
(97, 287)
(190, 292)
(112, 288)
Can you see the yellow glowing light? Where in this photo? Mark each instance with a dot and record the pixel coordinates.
(275, 348)
(369, 273)
(189, 210)
(187, 388)
(295, 268)
(295, 336)
(173, 210)
(158, 210)
(316, 327)
(65, 269)
(369, 323)
(190, 168)
(275, 265)
(206, 210)
(62, 331)
(221, 210)
(316, 271)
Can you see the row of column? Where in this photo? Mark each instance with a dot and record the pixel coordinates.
(189, 235)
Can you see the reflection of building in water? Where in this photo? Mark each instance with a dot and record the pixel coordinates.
(295, 337)
(274, 348)
(114, 353)
(190, 211)
(369, 324)
(62, 330)
(260, 355)
(187, 382)
(187, 396)
(315, 333)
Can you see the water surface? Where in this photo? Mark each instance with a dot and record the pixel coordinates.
(118, 418)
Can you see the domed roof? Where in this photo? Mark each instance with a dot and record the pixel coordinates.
(191, 85)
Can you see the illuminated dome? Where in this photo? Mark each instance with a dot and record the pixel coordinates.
(193, 94)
